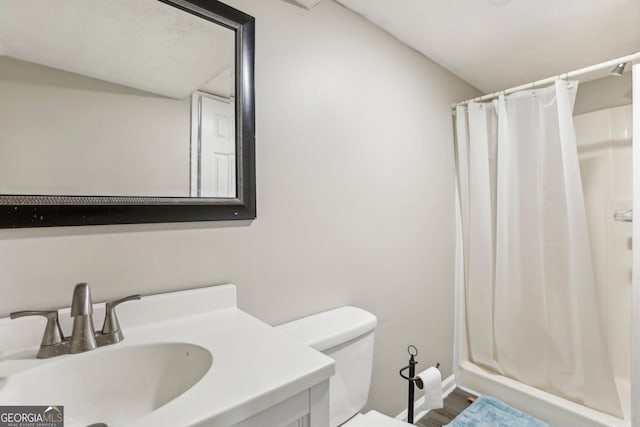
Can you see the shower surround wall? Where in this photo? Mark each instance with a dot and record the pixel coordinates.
(605, 153)
(355, 199)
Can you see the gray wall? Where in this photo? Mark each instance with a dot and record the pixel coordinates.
(355, 177)
(603, 93)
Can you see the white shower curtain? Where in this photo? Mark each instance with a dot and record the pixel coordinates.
(530, 292)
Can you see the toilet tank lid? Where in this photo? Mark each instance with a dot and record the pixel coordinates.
(328, 329)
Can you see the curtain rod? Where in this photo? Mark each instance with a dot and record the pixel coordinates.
(538, 83)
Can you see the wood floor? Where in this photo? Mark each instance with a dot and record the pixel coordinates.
(455, 403)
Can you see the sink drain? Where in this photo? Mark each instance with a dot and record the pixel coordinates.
(98, 425)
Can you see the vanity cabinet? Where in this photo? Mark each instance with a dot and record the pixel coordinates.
(309, 408)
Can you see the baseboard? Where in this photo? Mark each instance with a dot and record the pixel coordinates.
(448, 385)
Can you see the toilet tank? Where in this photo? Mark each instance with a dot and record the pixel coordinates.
(346, 335)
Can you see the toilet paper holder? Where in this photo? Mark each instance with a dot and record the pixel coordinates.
(413, 380)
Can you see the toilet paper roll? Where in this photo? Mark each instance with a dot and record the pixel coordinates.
(432, 382)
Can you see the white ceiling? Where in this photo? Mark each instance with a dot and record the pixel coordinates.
(497, 44)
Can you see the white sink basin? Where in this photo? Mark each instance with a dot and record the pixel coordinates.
(112, 385)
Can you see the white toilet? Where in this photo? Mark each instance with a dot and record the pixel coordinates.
(346, 335)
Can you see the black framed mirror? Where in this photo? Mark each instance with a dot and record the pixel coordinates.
(126, 111)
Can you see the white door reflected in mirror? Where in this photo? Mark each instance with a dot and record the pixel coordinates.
(213, 140)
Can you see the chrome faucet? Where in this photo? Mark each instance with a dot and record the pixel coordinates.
(83, 336)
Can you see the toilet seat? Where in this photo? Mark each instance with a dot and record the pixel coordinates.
(374, 419)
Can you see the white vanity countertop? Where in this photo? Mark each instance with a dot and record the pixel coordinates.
(254, 365)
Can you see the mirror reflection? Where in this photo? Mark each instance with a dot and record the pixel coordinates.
(131, 98)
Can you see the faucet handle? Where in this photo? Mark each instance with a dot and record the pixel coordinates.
(111, 324)
(52, 332)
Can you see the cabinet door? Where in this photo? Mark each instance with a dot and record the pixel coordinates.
(302, 422)
(293, 412)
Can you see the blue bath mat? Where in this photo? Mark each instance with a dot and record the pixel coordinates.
(489, 412)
